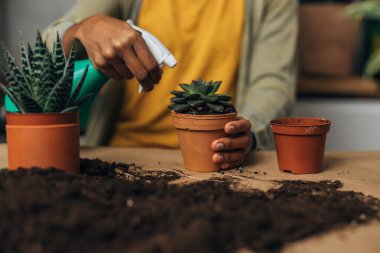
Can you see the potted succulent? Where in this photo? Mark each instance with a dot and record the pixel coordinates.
(45, 131)
(300, 144)
(199, 115)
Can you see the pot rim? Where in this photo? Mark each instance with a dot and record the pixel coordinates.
(299, 122)
(203, 116)
(40, 113)
(41, 118)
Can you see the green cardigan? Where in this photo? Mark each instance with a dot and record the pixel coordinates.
(267, 71)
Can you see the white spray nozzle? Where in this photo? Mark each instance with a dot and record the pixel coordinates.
(158, 50)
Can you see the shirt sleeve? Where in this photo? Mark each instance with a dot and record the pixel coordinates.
(81, 10)
(273, 70)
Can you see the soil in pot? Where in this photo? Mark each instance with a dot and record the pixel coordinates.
(120, 208)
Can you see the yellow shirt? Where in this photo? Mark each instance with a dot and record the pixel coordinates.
(205, 37)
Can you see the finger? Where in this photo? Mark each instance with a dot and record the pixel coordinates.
(100, 63)
(237, 126)
(146, 58)
(231, 165)
(137, 69)
(229, 143)
(121, 68)
(225, 157)
(111, 72)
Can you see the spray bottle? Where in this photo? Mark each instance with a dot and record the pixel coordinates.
(95, 79)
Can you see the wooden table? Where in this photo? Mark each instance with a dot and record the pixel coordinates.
(359, 171)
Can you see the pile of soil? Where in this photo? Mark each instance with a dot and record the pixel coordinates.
(120, 208)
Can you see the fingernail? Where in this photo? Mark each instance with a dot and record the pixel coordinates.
(220, 158)
(232, 128)
(219, 146)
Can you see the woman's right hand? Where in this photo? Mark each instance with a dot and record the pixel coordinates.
(116, 49)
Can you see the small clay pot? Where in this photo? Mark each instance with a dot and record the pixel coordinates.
(195, 134)
(43, 140)
(300, 144)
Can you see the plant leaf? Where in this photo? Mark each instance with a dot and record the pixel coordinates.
(181, 107)
(373, 65)
(14, 75)
(74, 95)
(30, 105)
(12, 98)
(26, 65)
(177, 93)
(82, 100)
(222, 97)
(215, 86)
(70, 109)
(191, 96)
(59, 58)
(215, 108)
(209, 99)
(40, 53)
(176, 100)
(54, 102)
(186, 87)
(195, 103)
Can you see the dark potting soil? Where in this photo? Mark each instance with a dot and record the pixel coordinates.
(120, 208)
(204, 110)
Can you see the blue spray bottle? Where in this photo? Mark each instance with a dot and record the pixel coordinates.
(96, 79)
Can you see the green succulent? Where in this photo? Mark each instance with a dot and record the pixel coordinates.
(199, 98)
(43, 84)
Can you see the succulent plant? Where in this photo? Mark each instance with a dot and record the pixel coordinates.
(44, 82)
(199, 98)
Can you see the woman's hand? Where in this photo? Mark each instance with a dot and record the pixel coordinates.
(231, 151)
(116, 49)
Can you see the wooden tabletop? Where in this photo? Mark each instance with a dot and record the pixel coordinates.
(359, 171)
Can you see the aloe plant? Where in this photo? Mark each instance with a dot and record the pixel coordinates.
(200, 97)
(43, 83)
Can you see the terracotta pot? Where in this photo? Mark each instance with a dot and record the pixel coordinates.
(300, 143)
(43, 140)
(195, 134)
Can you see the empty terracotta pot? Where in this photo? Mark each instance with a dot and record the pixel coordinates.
(43, 140)
(195, 134)
(300, 144)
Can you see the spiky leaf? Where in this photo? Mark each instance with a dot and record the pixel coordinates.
(177, 93)
(180, 107)
(176, 100)
(29, 102)
(186, 87)
(222, 97)
(26, 64)
(14, 75)
(215, 108)
(191, 96)
(195, 103)
(56, 101)
(215, 86)
(209, 99)
(13, 98)
(75, 93)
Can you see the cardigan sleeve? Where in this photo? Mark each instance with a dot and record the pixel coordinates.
(81, 10)
(270, 92)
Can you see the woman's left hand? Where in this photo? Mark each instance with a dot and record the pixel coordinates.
(231, 151)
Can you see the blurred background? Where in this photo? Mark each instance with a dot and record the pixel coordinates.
(333, 52)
